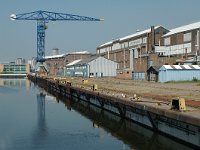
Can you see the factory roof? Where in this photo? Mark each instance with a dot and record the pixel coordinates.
(138, 33)
(74, 62)
(108, 43)
(82, 61)
(87, 60)
(54, 56)
(156, 68)
(180, 67)
(185, 28)
(62, 55)
(130, 36)
(81, 52)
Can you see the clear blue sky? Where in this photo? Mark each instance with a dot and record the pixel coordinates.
(122, 17)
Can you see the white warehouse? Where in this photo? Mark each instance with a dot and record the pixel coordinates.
(91, 67)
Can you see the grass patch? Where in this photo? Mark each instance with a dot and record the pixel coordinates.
(193, 81)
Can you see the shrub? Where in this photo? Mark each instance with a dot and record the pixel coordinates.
(194, 79)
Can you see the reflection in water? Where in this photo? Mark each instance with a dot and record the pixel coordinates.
(15, 83)
(28, 124)
(41, 107)
(132, 134)
(41, 131)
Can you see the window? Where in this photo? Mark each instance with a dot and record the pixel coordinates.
(135, 42)
(164, 32)
(144, 40)
(167, 41)
(187, 37)
(157, 31)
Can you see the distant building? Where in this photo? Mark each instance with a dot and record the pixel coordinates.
(91, 67)
(56, 63)
(20, 61)
(55, 51)
(1, 68)
(13, 68)
(32, 64)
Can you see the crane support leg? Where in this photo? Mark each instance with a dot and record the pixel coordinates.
(40, 41)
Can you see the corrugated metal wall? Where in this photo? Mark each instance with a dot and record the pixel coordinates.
(102, 67)
(76, 70)
(166, 75)
(138, 76)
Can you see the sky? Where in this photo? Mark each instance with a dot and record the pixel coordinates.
(122, 18)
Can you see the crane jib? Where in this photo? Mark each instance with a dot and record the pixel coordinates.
(43, 17)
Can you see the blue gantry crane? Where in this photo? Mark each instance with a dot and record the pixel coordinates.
(42, 18)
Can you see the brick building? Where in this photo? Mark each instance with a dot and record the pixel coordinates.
(156, 46)
(56, 63)
(184, 40)
(132, 52)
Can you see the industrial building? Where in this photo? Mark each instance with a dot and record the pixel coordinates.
(56, 62)
(91, 67)
(139, 43)
(156, 46)
(20, 61)
(179, 73)
(132, 51)
(182, 40)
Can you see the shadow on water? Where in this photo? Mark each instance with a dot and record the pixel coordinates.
(130, 133)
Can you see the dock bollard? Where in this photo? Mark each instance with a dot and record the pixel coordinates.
(68, 83)
(94, 87)
(178, 104)
(85, 81)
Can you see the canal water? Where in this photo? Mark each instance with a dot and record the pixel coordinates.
(32, 119)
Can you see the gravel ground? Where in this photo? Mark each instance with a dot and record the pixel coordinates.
(144, 89)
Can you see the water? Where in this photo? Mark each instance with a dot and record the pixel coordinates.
(32, 119)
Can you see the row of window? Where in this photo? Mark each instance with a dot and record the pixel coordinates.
(14, 68)
(76, 68)
(124, 45)
(187, 37)
(80, 67)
